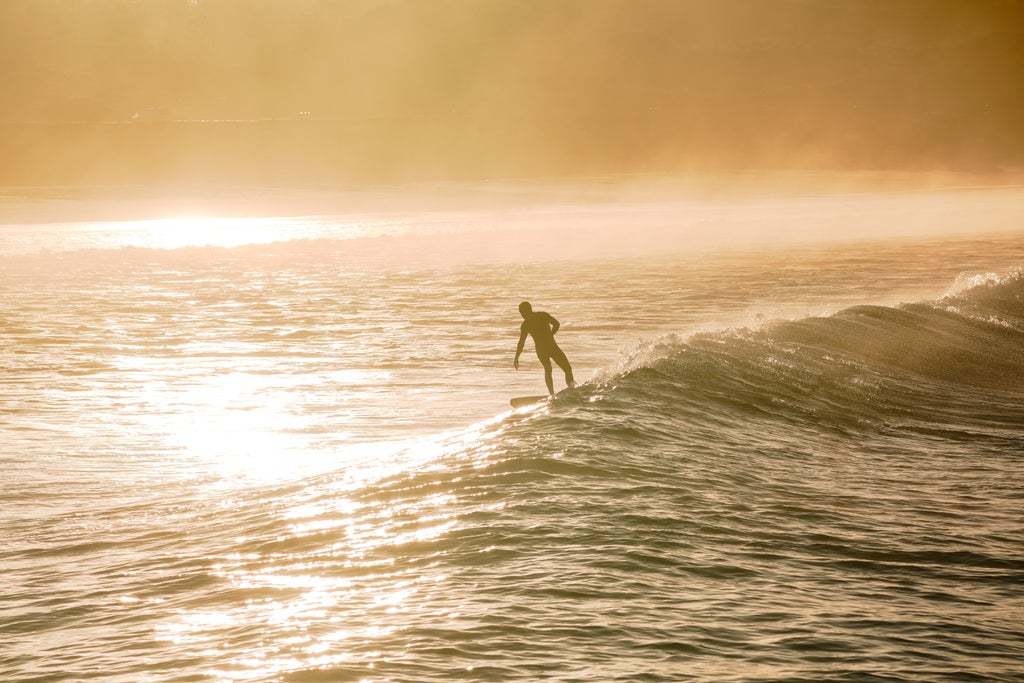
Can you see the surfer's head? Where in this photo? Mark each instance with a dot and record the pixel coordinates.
(525, 308)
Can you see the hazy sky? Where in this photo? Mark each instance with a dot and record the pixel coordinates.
(295, 91)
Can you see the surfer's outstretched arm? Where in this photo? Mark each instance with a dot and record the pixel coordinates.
(519, 348)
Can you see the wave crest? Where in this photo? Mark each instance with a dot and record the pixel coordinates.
(946, 361)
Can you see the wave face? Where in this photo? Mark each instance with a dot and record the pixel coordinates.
(955, 361)
(228, 465)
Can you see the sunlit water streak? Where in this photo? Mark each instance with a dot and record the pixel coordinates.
(294, 461)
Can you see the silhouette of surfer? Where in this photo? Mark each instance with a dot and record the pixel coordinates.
(542, 327)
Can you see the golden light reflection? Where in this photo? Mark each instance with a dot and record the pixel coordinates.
(346, 573)
(199, 231)
(245, 426)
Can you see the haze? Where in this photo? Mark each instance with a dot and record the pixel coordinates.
(269, 92)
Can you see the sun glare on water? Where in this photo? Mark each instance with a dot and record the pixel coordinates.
(332, 588)
(200, 231)
(241, 427)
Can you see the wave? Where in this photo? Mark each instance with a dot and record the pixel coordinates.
(721, 460)
(955, 364)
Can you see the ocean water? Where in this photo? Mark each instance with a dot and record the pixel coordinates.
(281, 450)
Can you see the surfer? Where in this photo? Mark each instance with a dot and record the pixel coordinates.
(542, 327)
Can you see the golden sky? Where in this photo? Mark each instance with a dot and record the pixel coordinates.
(294, 91)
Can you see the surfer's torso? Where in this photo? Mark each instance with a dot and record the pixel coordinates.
(538, 325)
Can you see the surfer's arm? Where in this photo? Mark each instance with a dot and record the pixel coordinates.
(519, 348)
(554, 325)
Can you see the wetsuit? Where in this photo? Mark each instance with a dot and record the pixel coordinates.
(542, 327)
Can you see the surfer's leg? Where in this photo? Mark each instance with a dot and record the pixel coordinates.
(559, 357)
(548, 379)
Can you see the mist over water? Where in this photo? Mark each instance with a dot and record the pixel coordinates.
(302, 92)
(525, 222)
(280, 448)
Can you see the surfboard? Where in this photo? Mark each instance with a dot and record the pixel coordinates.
(522, 401)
